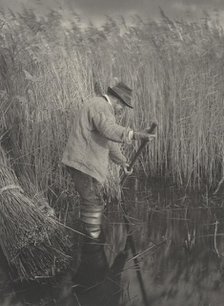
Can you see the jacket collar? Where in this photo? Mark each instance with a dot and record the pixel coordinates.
(109, 101)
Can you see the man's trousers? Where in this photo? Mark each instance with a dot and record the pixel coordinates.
(91, 201)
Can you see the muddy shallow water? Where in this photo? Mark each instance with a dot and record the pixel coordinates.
(178, 260)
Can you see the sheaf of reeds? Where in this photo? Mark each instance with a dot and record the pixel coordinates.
(33, 243)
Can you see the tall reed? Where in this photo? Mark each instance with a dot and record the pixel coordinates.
(48, 71)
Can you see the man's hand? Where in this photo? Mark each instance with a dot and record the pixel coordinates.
(127, 169)
(143, 135)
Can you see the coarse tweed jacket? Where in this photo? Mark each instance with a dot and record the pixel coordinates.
(94, 138)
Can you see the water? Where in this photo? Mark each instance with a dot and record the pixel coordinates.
(178, 258)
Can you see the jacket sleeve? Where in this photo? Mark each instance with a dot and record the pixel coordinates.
(104, 123)
(115, 153)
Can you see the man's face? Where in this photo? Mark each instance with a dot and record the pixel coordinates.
(119, 107)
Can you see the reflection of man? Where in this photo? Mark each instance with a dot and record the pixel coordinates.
(96, 282)
(93, 139)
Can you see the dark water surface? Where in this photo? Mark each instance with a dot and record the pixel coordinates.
(178, 258)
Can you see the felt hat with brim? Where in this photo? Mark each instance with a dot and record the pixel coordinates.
(122, 92)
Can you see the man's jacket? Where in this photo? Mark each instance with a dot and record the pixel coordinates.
(94, 138)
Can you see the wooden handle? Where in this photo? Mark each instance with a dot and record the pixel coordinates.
(140, 149)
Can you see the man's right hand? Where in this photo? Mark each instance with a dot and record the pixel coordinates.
(143, 136)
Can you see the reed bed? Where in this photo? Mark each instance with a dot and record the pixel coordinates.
(49, 70)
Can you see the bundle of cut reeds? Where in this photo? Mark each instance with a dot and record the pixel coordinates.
(33, 243)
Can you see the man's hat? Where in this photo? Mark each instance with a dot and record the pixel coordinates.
(122, 92)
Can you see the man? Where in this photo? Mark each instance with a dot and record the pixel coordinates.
(94, 138)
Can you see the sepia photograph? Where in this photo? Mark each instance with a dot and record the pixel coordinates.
(111, 153)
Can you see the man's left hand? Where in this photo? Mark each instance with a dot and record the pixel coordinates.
(127, 169)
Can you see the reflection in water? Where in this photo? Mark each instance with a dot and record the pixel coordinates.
(6, 292)
(188, 268)
(180, 249)
(95, 283)
(99, 283)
